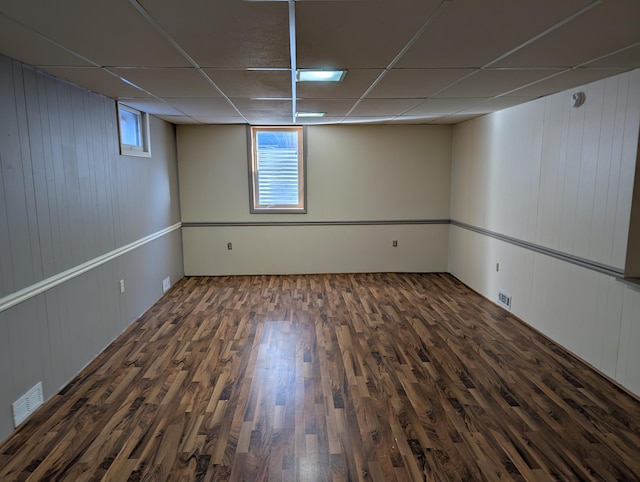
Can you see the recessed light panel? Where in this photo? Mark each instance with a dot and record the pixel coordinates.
(309, 114)
(321, 75)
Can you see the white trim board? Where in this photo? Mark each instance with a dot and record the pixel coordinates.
(41, 286)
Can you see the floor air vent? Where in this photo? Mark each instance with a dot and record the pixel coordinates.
(27, 404)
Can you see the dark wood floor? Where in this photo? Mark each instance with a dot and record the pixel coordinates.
(330, 377)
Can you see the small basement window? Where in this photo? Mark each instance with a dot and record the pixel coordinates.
(277, 166)
(134, 132)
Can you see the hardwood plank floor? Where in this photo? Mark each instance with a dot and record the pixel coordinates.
(381, 377)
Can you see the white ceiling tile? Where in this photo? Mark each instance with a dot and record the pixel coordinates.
(175, 119)
(331, 107)
(471, 33)
(384, 107)
(152, 106)
(368, 119)
(355, 83)
(170, 82)
(227, 33)
(221, 120)
(490, 83)
(412, 83)
(564, 81)
(97, 80)
(195, 107)
(22, 44)
(492, 105)
(319, 120)
(411, 119)
(439, 107)
(454, 119)
(109, 33)
(607, 27)
(252, 83)
(358, 34)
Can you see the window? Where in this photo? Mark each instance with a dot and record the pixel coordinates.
(134, 132)
(277, 181)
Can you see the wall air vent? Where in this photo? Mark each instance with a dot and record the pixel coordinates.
(27, 404)
(504, 299)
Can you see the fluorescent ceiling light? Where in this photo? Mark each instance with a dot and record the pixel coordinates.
(309, 114)
(321, 75)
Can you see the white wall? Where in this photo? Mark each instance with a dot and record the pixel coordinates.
(560, 178)
(354, 173)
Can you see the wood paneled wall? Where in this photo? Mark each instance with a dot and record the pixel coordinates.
(66, 198)
(561, 178)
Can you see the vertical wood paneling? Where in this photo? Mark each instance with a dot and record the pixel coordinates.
(584, 185)
(588, 167)
(19, 258)
(611, 216)
(628, 167)
(66, 197)
(599, 229)
(32, 245)
(6, 370)
(36, 143)
(629, 356)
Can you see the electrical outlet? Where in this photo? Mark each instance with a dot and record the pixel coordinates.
(121, 286)
(395, 243)
(229, 246)
(166, 284)
(497, 267)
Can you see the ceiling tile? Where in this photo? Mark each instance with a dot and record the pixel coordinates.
(489, 83)
(410, 119)
(492, 105)
(172, 82)
(331, 107)
(356, 34)
(204, 106)
(252, 83)
(175, 119)
(607, 27)
(439, 107)
(454, 119)
(627, 58)
(22, 44)
(564, 81)
(319, 120)
(412, 83)
(108, 33)
(97, 80)
(355, 83)
(384, 107)
(265, 111)
(221, 120)
(471, 33)
(227, 33)
(152, 106)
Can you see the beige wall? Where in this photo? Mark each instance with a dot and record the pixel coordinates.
(560, 178)
(354, 173)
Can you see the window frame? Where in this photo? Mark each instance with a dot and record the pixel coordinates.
(255, 207)
(143, 123)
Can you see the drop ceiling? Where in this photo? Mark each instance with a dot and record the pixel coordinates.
(408, 61)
